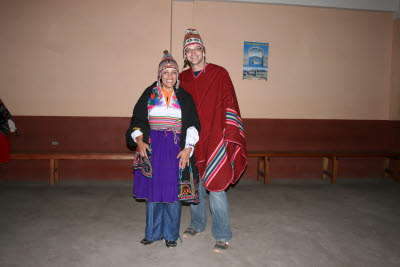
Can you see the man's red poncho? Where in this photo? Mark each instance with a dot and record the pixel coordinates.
(221, 151)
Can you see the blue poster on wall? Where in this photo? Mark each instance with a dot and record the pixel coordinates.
(255, 60)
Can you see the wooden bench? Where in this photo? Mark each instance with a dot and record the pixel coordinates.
(54, 157)
(333, 156)
(263, 160)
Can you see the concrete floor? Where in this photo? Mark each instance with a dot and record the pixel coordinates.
(283, 224)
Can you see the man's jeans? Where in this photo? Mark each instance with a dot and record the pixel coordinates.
(221, 228)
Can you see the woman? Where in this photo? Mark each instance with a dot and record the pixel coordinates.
(165, 128)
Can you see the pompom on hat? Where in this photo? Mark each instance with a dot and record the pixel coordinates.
(167, 62)
(192, 36)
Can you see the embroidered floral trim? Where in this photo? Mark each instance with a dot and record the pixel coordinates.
(174, 102)
(157, 99)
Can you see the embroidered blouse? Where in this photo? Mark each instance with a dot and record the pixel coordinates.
(158, 109)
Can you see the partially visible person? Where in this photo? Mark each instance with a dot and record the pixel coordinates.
(165, 128)
(221, 151)
(7, 127)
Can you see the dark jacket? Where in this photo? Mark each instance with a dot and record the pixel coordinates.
(189, 178)
(5, 115)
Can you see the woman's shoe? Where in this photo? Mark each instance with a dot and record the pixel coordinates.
(170, 244)
(145, 241)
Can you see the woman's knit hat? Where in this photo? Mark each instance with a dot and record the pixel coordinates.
(167, 62)
(192, 36)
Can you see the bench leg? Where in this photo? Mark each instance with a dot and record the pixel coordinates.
(386, 167)
(52, 172)
(259, 168)
(325, 165)
(56, 171)
(335, 167)
(266, 170)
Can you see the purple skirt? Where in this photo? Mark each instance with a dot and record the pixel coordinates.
(163, 186)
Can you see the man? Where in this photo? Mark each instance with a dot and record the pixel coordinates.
(221, 151)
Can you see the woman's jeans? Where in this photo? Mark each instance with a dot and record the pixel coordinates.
(221, 228)
(163, 220)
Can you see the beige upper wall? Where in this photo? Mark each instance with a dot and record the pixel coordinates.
(323, 63)
(394, 112)
(80, 58)
(86, 58)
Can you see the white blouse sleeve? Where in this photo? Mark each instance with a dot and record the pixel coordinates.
(135, 134)
(192, 137)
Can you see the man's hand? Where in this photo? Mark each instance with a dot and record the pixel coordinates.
(143, 147)
(184, 155)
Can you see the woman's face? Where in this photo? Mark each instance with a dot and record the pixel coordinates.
(168, 78)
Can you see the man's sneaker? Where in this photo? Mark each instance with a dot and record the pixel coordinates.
(221, 246)
(190, 232)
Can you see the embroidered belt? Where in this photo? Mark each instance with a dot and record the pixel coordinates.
(166, 124)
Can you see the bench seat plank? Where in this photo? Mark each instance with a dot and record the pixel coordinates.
(264, 157)
(320, 154)
(74, 155)
(54, 157)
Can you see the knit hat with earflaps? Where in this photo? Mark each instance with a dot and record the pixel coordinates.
(192, 36)
(167, 62)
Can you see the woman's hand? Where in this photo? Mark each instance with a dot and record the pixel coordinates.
(184, 155)
(143, 147)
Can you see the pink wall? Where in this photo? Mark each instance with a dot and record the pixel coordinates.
(89, 61)
(323, 64)
(395, 78)
(80, 58)
(94, 58)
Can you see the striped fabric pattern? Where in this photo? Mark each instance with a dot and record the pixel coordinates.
(233, 119)
(165, 123)
(215, 162)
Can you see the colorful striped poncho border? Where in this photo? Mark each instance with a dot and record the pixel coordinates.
(219, 156)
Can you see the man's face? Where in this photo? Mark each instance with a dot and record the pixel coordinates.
(194, 53)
